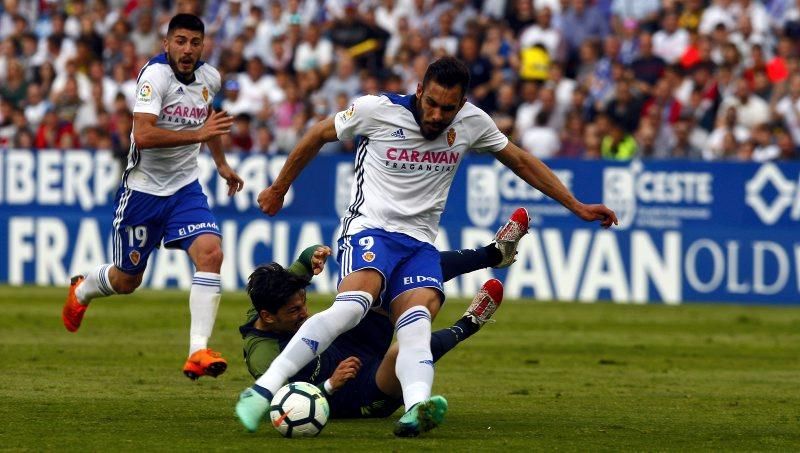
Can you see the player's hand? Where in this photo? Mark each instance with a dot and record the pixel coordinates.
(347, 370)
(217, 123)
(321, 255)
(270, 200)
(235, 183)
(592, 212)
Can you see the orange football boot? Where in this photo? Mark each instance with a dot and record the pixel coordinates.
(205, 362)
(73, 311)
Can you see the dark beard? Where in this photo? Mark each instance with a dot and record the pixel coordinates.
(430, 135)
(186, 79)
(425, 135)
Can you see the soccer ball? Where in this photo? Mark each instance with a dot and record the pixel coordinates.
(299, 409)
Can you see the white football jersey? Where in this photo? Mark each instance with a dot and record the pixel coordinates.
(401, 179)
(163, 171)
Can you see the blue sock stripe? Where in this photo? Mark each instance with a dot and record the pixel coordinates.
(206, 285)
(104, 284)
(209, 280)
(348, 297)
(205, 282)
(352, 297)
(412, 318)
(365, 303)
(262, 391)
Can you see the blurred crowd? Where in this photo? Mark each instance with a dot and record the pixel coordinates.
(611, 79)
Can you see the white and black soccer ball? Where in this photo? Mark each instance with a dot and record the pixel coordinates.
(299, 409)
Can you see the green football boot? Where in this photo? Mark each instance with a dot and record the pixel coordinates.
(422, 417)
(251, 409)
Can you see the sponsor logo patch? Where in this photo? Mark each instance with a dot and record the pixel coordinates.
(145, 94)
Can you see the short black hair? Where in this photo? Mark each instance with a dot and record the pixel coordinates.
(270, 287)
(448, 72)
(186, 22)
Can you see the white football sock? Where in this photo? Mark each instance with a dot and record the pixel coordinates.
(96, 284)
(414, 367)
(203, 304)
(314, 336)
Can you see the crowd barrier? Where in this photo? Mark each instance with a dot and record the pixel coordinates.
(689, 231)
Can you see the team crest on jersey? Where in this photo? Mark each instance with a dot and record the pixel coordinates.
(135, 256)
(368, 257)
(145, 94)
(451, 137)
(205, 94)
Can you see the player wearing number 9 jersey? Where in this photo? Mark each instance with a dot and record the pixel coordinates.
(160, 198)
(409, 148)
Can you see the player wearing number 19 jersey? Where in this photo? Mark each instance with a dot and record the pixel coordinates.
(160, 199)
(409, 148)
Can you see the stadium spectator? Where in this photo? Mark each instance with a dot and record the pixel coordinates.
(618, 144)
(15, 86)
(670, 42)
(582, 21)
(345, 80)
(765, 148)
(241, 137)
(787, 109)
(445, 42)
(7, 127)
(751, 110)
(144, 37)
(728, 124)
(544, 34)
(314, 52)
(648, 67)
(540, 140)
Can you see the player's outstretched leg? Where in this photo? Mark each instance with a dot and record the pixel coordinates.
(422, 417)
(508, 236)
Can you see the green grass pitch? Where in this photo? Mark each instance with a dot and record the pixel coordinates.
(546, 376)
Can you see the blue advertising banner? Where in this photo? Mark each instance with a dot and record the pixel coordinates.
(689, 232)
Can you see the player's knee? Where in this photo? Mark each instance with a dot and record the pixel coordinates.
(128, 284)
(210, 259)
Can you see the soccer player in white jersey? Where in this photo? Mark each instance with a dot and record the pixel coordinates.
(160, 198)
(409, 150)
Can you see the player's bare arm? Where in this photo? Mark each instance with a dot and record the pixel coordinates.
(235, 183)
(147, 135)
(270, 200)
(537, 174)
(347, 370)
